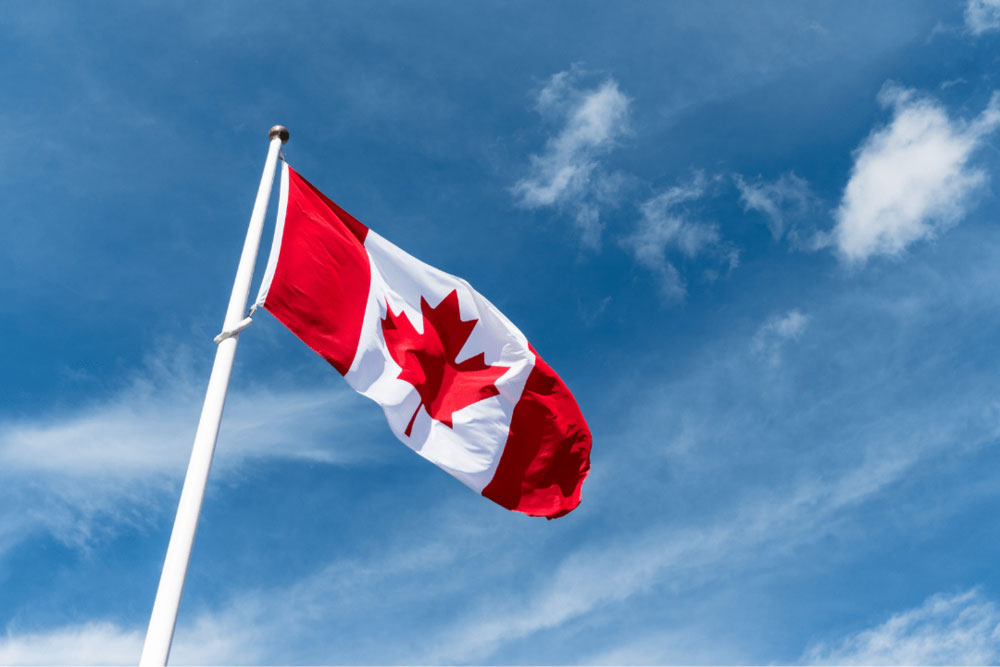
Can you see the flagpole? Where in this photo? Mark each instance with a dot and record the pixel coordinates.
(159, 636)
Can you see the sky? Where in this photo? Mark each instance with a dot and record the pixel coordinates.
(758, 241)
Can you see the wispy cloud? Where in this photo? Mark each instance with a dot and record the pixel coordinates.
(116, 457)
(680, 559)
(911, 178)
(568, 174)
(837, 448)
(230, 637)
(264, 625)
(854, 446)
(87, 644)
(305, 621)
(667, 227)
(982, 16)
(785, 204)
(776, 332)
(962, 629)
(678, 645)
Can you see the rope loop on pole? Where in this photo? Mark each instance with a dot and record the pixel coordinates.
(229, 333)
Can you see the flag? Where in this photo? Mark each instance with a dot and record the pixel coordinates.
(458, 382)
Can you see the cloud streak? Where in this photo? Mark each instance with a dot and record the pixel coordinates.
(666, 228)
(280, 624)
(567, 174)
(86, 644)
(837, 450)
(776, 332)
(312, 620)
(680, 560)
(861, 447)
(961, 629)
(785, 204)
(107, 463)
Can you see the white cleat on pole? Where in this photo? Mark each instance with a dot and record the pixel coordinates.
(156, 648)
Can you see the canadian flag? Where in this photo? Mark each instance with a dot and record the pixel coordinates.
(459, 383)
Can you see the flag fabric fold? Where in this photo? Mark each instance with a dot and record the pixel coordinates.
(458, 382)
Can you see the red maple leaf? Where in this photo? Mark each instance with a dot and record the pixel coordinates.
(428, 359)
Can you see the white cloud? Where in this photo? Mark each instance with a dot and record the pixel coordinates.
(87, 644)
(567, 174)
(294, 622)
(784, 203)
(210, 640)
(911, 178)
(676, 645)
(105, 464)
(371, 608)
(594, 578)
(982, 16)
(961, 629)
(665, 226)
(776, 332)
(305, 621)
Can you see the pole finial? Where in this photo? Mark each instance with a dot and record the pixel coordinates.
(279, 132)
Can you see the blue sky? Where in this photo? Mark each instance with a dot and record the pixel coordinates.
(757, 240)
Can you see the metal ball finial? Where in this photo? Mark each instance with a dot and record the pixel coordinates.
(280, 132)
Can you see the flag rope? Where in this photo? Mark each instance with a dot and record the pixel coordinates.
(229, 333)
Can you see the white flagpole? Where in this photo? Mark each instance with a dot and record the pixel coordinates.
(160, 634)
